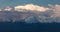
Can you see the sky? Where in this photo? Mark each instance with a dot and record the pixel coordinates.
(4, 3)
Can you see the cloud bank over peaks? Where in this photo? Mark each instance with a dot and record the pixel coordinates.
(54, 10)
(31, 7)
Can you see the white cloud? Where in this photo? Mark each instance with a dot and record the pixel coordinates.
(8, 8)
(31, 7)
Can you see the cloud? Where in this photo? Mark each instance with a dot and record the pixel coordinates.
(31, 7)
(8, 8)
(56, 10)
(54, 7)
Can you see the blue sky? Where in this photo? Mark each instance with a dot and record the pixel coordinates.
(4, 3)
